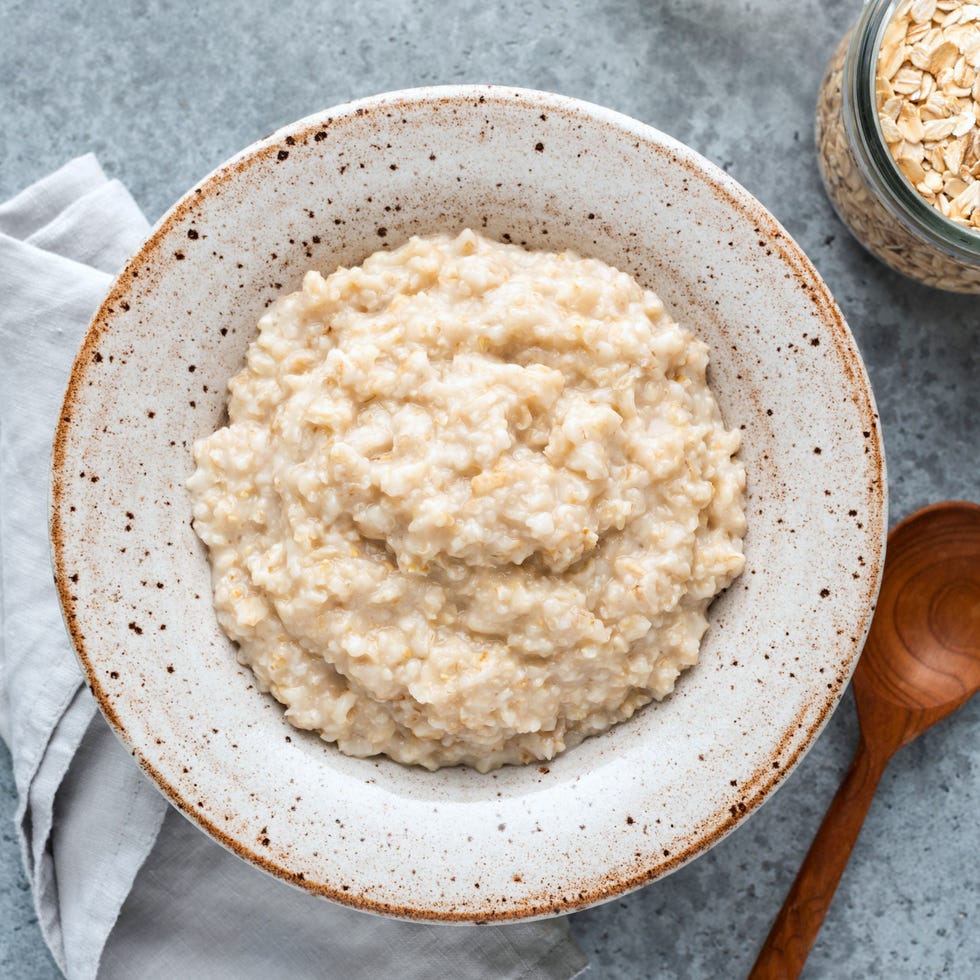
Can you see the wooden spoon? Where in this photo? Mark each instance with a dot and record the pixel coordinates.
(921, 661)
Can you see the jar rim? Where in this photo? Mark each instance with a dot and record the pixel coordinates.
(864, 133)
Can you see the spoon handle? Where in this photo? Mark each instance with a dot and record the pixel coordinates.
(792, 934)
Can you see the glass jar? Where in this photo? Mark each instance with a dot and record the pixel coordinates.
(870, 194)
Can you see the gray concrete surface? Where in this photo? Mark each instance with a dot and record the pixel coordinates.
(164, 91)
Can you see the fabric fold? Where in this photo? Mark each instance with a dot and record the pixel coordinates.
(107, 818)
(85, 232)
(43, 201)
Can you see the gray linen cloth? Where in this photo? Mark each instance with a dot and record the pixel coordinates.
(123, 885)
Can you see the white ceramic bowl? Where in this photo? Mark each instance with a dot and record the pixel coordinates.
(623, 808)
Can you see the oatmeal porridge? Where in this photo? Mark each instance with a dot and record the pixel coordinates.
(471, 504)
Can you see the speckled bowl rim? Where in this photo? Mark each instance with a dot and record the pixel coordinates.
(763, 784)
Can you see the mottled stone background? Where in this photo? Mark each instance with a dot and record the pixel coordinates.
(164, 91)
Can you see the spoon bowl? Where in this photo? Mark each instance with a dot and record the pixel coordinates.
(923, 651)
(920, 663)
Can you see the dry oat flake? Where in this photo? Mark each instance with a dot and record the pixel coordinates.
(927, 89)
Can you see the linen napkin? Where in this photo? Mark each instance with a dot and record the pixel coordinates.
(123, 885)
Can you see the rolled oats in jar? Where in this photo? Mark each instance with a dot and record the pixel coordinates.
(898, 137)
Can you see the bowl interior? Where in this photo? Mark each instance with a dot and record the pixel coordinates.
(621, 809)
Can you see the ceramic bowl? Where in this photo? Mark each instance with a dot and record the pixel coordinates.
(623, 808)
